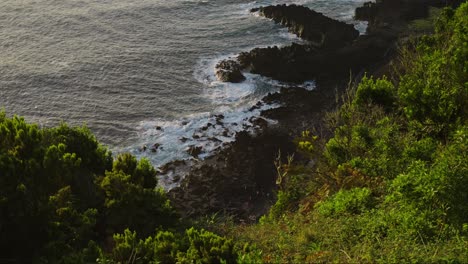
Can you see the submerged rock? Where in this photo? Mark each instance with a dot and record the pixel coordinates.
(155, 147)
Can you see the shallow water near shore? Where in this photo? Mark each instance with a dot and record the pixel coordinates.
(139, 73)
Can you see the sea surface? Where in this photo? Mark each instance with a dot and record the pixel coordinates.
(139, 72)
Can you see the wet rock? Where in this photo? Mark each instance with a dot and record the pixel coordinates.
(159, 128)
(194, 150)
(229, 71)
(307, 24)
(176, 178)
(183, 139)
(367, 12)
(256, 106)
(395, 14)
(171, 166)
(214, 139)
(237, 181)
(259, 122)
(300, 63)
(155, 147)
(204, 128)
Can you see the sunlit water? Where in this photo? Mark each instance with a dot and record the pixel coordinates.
(138, 72)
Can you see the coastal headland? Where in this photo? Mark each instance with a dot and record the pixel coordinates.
(240, 179)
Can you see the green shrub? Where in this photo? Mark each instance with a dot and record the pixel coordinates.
(193, 246)
(379, 92)
(354, 201)
(440, 188)
(434, 91)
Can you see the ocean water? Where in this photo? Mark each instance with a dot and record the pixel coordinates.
(139, 72)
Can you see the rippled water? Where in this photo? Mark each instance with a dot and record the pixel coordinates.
(125, 67)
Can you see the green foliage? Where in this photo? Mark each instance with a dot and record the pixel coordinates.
(354, 201)
(60, 190)
(128, 204)
(441, 187)
(390, 185)
(194, 246)
(47, 180)
(380, 92)
(129, 249)
(435, 89)
(206, 247)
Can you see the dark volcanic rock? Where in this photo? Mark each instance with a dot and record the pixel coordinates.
(229, 71)
(397, 13)
(239, 180)
(194, 151)
(155, 147)
(299, 63)
(320, 30)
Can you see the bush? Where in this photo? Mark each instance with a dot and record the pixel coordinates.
(379, 92)
(194, 246)
(354, 201)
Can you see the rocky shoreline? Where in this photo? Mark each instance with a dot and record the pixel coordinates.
(240, 179)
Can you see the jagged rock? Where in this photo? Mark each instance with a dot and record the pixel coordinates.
(194, 151)
(219, 119)
(171, 166)
(397, 13)
(229, 71)
(299, 63)
(367, 12)
(155, 147)
(214, 139)
(259, 122)
(238, 181)
(307, 24)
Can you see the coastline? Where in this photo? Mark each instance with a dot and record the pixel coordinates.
(240, 179)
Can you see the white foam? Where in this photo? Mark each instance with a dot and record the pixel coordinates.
(206, 130)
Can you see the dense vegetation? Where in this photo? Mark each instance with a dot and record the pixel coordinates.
(63, 199)
(389, 186)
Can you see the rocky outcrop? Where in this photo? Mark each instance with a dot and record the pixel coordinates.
(194, 151)
(321, 31)
(229, 71)
(396, 14)
(337, 54)
(299, 63)
(238, 181)
(335, 51)
(307, 24)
